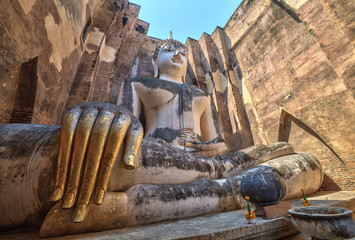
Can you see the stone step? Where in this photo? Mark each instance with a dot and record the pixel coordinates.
(226, 225)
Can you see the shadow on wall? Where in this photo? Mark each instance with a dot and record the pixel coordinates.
(337, 164)
(25, 95)
(329, 185)
(235, 77)
(285, 128)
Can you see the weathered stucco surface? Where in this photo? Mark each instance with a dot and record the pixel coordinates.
(50, 31)
(272, 55)
(299, 56)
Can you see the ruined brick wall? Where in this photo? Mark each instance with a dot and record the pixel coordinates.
(213, 67)
(41, 44)
(298, 56)
(80, 51)
(116, 47)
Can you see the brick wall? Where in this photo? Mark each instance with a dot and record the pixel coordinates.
(299, 56)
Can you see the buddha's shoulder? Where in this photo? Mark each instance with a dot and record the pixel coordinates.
(151, 82)
(156, 83)
(198, 92)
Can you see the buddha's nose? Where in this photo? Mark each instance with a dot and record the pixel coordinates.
(177, 54)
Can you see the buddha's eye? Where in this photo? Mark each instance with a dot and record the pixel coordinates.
(169, 48)
(183, 51)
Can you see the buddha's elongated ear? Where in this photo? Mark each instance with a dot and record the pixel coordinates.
(155, 66)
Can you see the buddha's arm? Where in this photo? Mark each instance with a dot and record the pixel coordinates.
(91, 138)
(129, 99)
(213, 142)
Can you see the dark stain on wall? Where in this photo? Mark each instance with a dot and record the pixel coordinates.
(73, 10)
(25, 93)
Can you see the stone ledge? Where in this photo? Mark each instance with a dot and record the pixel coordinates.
(227, 225)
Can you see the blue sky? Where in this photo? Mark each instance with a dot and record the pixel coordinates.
(187, 18)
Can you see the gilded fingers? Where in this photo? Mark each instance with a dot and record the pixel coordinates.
(133, 142)
(94, 154)
(69, 124)
(81, 141)
(91, 140)
(117, 133)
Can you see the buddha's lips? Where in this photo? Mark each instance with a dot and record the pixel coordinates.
(176, 60)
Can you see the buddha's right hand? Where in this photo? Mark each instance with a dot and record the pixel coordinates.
(91, 138)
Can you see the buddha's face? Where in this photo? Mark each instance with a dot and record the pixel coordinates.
(171, 62)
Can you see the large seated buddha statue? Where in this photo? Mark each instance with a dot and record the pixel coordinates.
(100, 170)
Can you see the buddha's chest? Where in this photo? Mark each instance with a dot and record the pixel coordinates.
(180, 97)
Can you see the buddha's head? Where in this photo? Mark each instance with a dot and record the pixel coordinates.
(170, 60)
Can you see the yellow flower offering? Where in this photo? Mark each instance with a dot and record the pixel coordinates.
(249, 214)
(305, 202)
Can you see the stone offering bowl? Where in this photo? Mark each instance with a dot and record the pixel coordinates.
(316, 222)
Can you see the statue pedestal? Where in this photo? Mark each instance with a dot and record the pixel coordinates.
(227, 225)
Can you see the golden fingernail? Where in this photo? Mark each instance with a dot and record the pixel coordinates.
(130, 162)
(99, 197)
(57, 194)
(80, 212)
(68, 201)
